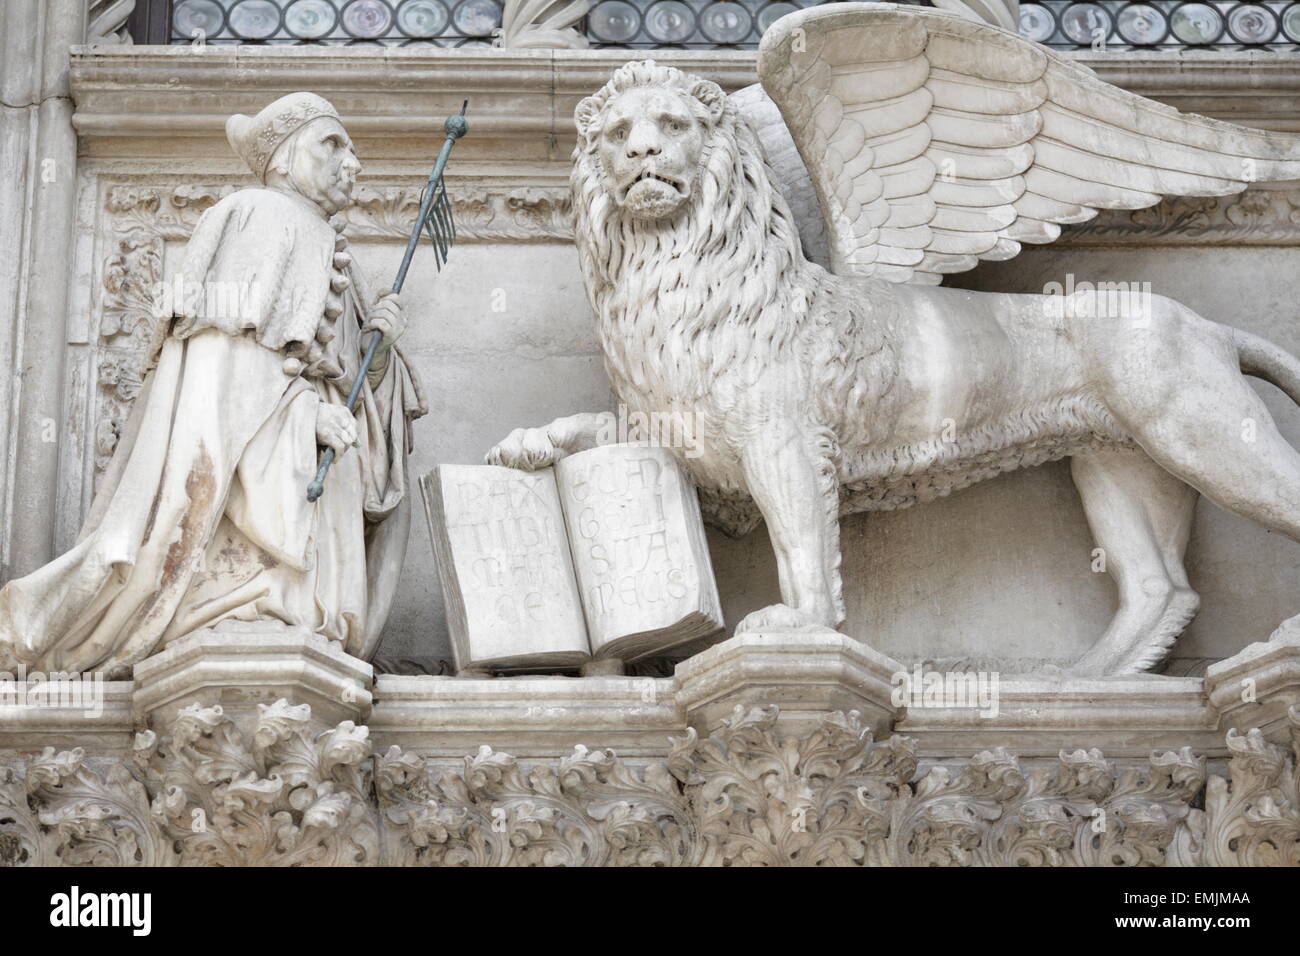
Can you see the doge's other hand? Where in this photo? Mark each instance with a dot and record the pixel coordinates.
(526, 448)
(336, 428)
(385, 317)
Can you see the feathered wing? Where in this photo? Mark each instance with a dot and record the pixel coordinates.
(791, 175)
(932, 141)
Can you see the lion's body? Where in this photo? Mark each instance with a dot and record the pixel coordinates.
(741, 331)
(816, 394)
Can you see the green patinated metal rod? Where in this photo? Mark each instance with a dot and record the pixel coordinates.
(432, 202)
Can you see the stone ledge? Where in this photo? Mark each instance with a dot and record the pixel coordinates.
(749, 794)
(26, 727)
(1039, 717)
(393, 101)
(807, 675)
(1256, 686)
(529, 716)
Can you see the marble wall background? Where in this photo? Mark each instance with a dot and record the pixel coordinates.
(998, 572)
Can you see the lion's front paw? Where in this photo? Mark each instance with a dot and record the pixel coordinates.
(526, 448)
(778, 618)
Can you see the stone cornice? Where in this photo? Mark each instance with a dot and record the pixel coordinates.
(394, 100)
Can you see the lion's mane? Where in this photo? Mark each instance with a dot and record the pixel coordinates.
(722, 286)
(731, 258)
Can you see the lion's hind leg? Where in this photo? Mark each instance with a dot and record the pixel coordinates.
(1140, 516)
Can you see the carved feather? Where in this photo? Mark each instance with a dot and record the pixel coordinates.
(931, 141)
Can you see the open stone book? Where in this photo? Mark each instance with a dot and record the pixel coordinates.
(602, 556)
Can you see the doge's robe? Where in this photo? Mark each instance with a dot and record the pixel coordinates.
(202, 515)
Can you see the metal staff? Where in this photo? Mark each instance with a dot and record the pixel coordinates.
(434, 218)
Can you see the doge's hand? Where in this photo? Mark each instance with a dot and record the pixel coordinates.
(336, 428)
(525, 448)
(385, 317)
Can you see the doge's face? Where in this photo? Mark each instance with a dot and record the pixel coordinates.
(649, 142)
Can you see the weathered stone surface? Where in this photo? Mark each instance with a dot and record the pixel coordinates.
(505, 568)
(511, 309)
(208, 793)
(242, 367)
(906, 579)
(864, 390)
(240, 666)
(639, 551)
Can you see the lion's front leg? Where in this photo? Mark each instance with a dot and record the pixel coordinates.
(791, 476)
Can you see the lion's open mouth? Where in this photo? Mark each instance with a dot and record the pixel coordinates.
(652, 176)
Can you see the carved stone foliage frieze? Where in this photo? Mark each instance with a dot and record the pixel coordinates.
(279, 793)
(483, 214)
(277, 797)
(749, 796)
(204, 794)
(1251, 817)
(1258, 216)
(65, 809)
(140, 218)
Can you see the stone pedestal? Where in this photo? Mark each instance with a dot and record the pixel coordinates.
(1258, 685)
(239, 666)
(807, 675)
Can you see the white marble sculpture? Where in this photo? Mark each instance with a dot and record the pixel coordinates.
(930, 142)
(202, 516)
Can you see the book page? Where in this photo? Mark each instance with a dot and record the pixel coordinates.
(503, 559)
(639, 551)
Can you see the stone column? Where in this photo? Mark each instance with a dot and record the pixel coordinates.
(38, 152)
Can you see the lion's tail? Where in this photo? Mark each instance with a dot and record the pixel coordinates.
(1263, 359)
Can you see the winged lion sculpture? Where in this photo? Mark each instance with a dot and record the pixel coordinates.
(898, 145)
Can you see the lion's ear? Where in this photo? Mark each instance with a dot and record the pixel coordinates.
(711, 95)
(586, 116)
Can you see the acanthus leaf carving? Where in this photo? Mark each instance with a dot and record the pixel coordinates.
(206, 793)
(1252, 817)
(523, 214)
(281, 798)
(749, 796)
(85, 816)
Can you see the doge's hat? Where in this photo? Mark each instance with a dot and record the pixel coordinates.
(256, 138)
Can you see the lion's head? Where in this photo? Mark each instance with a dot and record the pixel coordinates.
(667, 176)
(648, 129)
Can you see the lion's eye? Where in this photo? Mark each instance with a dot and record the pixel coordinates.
(618, 134)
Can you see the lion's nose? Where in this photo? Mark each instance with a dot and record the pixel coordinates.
(641, 144)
